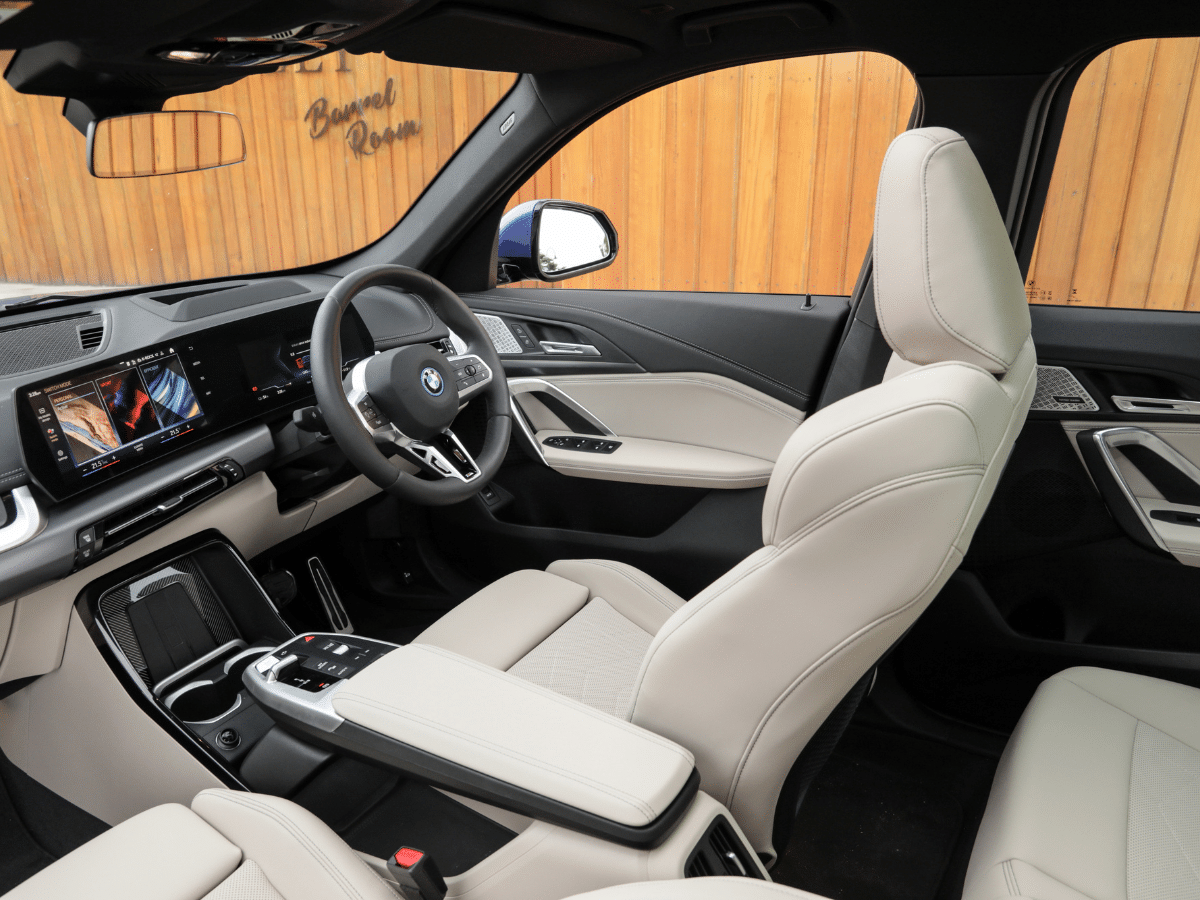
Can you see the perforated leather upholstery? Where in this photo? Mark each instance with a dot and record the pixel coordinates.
(869, 509)
(1097, 795)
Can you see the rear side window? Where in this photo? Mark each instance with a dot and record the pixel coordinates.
(758, 178)
(1121, 224)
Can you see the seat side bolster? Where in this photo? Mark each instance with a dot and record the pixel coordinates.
(165, 853)
(643, 600)
(501, 623)
(299, 854)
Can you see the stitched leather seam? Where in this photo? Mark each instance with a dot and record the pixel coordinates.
(877, 491)
(629, 576)
(299, 834)
(651, 379)
(846, 644)
(850, 429)
(928, 276)
(1010, 878)
(665, 473)
(711, 353)
(613, 791)
(559, 699)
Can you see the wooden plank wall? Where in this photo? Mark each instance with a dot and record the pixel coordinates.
(297, 199)
(1121, 226)
(759, 178)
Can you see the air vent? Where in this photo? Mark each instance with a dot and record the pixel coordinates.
(48, 342)
(91, 337)
(721, 852)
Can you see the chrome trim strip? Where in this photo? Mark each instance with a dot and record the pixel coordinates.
(1157, 406)
(334, 610)
(541, 386)
(195, 666)
(1109, 439)
(570, 349)
(27, 522)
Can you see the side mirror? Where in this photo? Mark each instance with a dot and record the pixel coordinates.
(549, 240)
(164, 143)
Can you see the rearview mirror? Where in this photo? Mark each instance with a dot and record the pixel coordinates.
(549, 240)
(164, 143)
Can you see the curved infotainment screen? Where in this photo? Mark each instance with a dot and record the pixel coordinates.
(132, 406)
(93, 424)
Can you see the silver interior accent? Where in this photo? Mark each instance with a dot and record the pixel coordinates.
(27, 520)
(169, 702)
(500, 334)
(206, 659)
(561, 347)
(1109, 439)
(338, 617)
(276, 670)
(1055, 387)
(1157, 406)
(517, 386)
(311, 708)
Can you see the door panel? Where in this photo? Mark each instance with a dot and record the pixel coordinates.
(691, 429)
(700, 390)
(1053, 577)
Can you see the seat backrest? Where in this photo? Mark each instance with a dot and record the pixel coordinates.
(873, 500)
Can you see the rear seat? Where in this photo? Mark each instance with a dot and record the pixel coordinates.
(1097, 796)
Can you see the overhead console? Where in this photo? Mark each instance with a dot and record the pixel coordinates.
(461, 725)
(91, 425)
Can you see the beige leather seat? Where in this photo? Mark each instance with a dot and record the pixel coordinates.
(870, 508)
(228, 846)
(233, 846)
(1097, 796)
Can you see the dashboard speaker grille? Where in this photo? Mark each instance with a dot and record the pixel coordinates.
(48, 343)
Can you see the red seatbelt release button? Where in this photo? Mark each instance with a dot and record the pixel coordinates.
(416, 874)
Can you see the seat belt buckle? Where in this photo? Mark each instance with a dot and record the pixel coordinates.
(416, 874)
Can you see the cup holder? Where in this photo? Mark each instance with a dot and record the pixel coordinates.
(205, 701)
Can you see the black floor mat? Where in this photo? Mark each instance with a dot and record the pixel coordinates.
(891, 817)
(36, 826)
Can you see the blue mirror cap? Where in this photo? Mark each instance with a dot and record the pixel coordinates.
(516, 231)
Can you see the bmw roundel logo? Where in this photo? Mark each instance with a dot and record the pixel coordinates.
(431, 380)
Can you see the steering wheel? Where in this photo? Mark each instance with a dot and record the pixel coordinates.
(409, 396)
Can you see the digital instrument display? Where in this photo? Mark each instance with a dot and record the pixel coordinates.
(276, 364)
(94, 421)
(101, 421)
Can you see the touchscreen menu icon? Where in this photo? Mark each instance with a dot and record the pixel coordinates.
(84, 422)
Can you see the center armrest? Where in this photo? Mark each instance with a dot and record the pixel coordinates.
(462, 725)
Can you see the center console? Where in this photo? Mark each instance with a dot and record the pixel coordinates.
(476, 730)
(504, 783)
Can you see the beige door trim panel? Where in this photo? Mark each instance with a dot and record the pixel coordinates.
(1179, 444)
(690, 429)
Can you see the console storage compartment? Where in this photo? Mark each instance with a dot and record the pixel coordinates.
(464, 726)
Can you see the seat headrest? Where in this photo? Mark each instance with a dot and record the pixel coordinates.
(947, 285)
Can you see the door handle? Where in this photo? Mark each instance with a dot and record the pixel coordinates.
(1097, 447)
(570, 349)
(1155, 405)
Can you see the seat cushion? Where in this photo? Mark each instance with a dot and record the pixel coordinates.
(1097, 795)
(581, 628)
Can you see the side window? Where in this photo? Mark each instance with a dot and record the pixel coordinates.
(1121, 224)
(753, 179)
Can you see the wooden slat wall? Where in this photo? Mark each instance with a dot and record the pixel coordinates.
(1121, 226)
(296, 199)
(759, 178)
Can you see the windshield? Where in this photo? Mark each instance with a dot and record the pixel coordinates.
(337, 150)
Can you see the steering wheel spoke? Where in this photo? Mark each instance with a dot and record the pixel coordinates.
(443, 456)
(407, 397)
(471, 374)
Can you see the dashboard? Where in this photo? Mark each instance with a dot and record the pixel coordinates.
(93, 424)
(117, 414)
